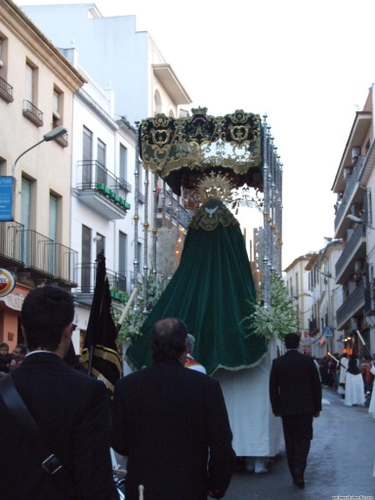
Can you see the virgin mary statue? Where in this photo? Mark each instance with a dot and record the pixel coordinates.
(213, 291)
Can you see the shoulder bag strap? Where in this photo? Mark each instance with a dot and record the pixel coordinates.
(51, 465)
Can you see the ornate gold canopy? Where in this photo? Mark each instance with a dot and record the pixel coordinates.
(182, 150)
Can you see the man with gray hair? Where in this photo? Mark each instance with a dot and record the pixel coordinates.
(190, 361)
(172, 424)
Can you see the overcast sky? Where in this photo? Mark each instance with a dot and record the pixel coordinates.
(308, 65)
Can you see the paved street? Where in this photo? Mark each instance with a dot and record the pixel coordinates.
(340, 462)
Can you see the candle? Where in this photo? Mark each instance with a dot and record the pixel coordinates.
(141, 490)
(333, 357)
(127, 307)
(360, 337)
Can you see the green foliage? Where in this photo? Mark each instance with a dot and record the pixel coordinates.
(131, 326)
(276, 320)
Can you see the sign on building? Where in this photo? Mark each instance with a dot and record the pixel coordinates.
(6, 198)
(328, 331)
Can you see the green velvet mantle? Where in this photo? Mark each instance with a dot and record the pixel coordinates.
(210, 291)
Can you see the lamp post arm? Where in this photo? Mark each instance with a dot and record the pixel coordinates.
(20, 156)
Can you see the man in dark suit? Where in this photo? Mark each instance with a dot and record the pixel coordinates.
(71, 410)
(172, 424)
(296, 397)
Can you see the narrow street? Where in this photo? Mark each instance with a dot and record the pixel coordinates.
(340, 462)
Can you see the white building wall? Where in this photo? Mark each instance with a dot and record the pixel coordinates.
(110, 48)
(91, 110)
(296, 280)
(119, 60)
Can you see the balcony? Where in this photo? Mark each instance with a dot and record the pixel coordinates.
(125, 185)
(63, 264)
(32, 113)
(47, 259)
(119, 283)
(352, 194)
(353, 306)
(11, 244)
(101, 190)
(173, 210)
(313, 327)
(6, 91)
(369, 297)
(354, 249)
(26, 250)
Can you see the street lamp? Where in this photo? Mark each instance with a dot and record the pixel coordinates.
(358, 220)
(50, 136)
(302, 294)
(326, 275)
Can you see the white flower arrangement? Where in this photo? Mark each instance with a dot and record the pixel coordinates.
(276, 320)
(133, 321)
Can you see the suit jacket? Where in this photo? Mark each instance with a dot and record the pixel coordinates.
(294, 385)
(171, 422)
(72, 413)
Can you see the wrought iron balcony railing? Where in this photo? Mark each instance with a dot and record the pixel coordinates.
(11, 242)
(174, 209)
(36, 251)
(6, 90)
(26, 248)
(119, 283)
(352, 305)
(313, 327)
(31, 112)
(42, 254)
(369, 296)
(127, 187)
(354, 242)
(63, 263)
(95, 177)
(349, 190)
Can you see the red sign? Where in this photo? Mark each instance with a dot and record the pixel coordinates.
(7, 282)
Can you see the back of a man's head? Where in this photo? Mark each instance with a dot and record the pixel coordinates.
(291, 340)
(46, 311)
(168, 339)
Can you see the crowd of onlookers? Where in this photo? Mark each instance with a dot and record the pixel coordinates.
(333, 370)
(10, 361)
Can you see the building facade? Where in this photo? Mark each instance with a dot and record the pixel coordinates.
(110, 49)
(104, 154)
(297, 284)
(102, 196)
(327, 298)
(37, 84)
(354, 185)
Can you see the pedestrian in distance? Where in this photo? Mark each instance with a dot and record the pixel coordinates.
(172, 424)
(5, 359)
(354, 386)
(296, 397)
(18, 355)
(61, 450)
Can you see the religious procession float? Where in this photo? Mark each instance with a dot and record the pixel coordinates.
(213, 166)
